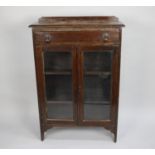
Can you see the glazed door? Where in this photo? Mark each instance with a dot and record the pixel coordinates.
(96, 85)
(59, 71)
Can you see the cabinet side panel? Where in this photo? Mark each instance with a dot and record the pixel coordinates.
(40, 86)
(116, 83)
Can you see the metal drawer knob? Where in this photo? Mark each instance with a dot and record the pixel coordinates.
(47, 38)
(105, 36)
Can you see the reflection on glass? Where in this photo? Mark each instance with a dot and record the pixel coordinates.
(97, 85)
(58, 84)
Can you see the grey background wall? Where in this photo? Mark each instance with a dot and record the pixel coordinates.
(19, 124)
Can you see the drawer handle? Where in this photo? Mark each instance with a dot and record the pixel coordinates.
(105, 36)
(48, 38)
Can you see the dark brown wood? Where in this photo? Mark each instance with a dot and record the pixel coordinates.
(85, 21)
(108, 35)
(77, 36)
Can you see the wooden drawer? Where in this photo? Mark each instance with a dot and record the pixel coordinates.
(106, 36)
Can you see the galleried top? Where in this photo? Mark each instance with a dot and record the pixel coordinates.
(77, 21)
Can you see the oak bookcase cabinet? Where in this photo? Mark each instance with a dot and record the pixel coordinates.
(77, 62)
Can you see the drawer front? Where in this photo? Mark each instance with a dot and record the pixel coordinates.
(105, 36)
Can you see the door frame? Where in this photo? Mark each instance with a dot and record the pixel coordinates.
(39, 65)
(114, 92)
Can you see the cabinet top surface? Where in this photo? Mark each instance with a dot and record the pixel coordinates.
(83, 21)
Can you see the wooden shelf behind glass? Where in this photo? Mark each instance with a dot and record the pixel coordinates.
(69, 73)
(58, 73)
(85, 102)
(59, 102)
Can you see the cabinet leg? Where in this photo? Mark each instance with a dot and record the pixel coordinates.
(42, 130)
(115, 134)
(42, 136)
(114, 131)
(115, 137)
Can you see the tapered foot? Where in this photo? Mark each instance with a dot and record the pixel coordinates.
(42, 136)
(114, 131)
(115, 137)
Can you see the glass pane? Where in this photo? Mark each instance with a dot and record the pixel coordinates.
(97, 85)
(57, 61)
(58, 84)
(97, 61)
